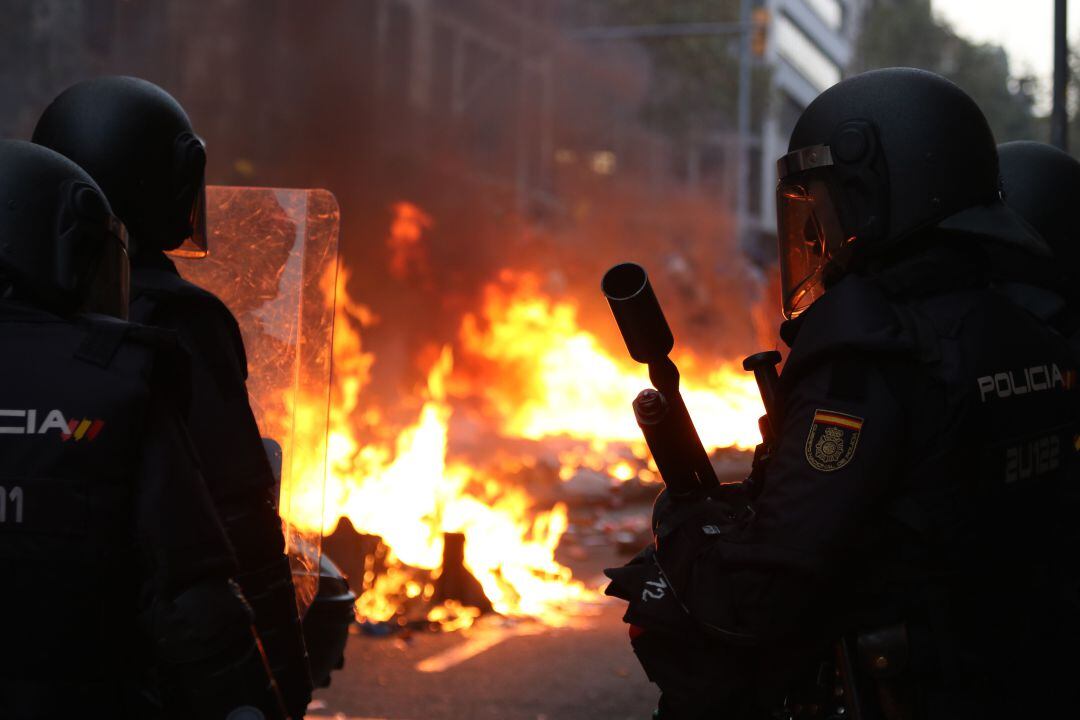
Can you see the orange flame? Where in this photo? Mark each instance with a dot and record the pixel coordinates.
(554, 378)
(407, 254)
(540, 375)
(410, 497)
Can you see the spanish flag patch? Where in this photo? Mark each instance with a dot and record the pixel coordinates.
(832, 440)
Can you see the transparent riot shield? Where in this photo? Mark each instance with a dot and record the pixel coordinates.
(273, 261)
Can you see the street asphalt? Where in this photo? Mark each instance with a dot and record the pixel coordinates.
(497, 670)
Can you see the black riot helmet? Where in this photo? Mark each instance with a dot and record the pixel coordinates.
(1042, 183)
(138, 144)
(61, 248)
(876, 161)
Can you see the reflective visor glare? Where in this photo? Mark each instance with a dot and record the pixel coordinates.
(809, 234)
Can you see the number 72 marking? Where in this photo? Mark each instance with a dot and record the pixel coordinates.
(655, 591)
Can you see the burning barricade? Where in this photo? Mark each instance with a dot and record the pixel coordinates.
(462, 509)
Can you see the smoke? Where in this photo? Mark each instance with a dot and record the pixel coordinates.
(517, 147)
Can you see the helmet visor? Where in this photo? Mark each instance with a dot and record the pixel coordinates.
(810, 234)
(108, 284)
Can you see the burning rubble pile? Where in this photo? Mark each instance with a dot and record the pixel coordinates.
(460, 508)
(552, 403)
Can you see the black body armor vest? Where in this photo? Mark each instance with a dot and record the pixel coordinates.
(100, 509)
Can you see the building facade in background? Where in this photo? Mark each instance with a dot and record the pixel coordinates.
(494, 98)
(810, 45)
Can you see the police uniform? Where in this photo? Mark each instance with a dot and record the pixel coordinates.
(907, 552)
(1041, 183)
(234, 463)
(137, 142)
(117, 600)
(922, 481)
(103, 516)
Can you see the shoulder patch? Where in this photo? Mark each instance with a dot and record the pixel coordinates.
(832, 440)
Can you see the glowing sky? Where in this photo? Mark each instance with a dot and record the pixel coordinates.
(1023, 27)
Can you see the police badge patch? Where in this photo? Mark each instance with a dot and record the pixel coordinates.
(832, 440)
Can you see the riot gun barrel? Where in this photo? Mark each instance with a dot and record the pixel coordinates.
(637, 313)
(661, 414)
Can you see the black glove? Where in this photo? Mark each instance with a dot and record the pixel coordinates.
(700, 679)
(728, 506)
(657, 580)
(653, 605)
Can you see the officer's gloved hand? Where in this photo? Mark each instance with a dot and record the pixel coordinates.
(728, 503)
(676, 655)
(682, 529)
(700, 678)
(687, 531)
(653, 606)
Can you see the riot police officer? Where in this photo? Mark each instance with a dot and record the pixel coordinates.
(113, 559)
(910, 551)
(139, 145)
(1042, 184)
